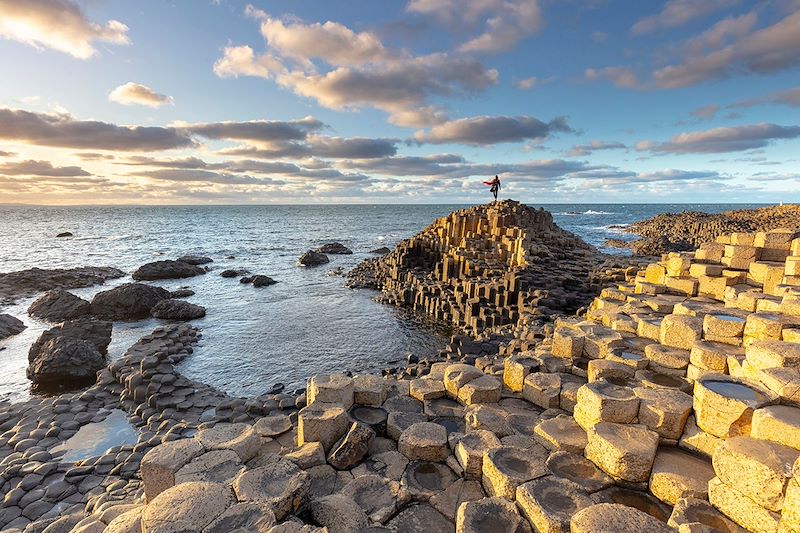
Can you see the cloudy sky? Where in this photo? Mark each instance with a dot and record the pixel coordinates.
(413, 101)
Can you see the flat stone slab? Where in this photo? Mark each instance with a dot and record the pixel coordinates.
(338, 513)
(420, 517)
(380, 498)
(505, 468)
(488, 514)
(186, 507)
(678, 474)
(159, 465)
(333, 388)
(549, 502)
(724, 406)
(561, 433)
(256, 517)
(470, 448)
(218, 466)
(614, 518)
(241, 438)
(424, 441)
(578, 470)
(426, 389)
(282, 484)
(272, 426)
(692, 514)
(424, 479)
(777, 423)
(622, 451)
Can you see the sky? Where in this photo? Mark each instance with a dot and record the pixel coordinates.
(414, 101)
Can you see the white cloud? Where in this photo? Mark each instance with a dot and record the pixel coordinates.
(241, 61)
(619, 76)
(487, 130)
(137, 94)
(57, 24)
(719, 140)
(678, 13)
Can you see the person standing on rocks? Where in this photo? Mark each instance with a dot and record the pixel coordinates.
(494, 186)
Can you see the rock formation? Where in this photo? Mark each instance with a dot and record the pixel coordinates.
(172, 309)
(195, 259)
(128, 302)
(677, 232)
(166, 270)
(312, 258)
(10, 325)
(24, 283)
(334, 248)
(487, 266)
(59, 305)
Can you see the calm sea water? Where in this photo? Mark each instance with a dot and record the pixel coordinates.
(253, 338)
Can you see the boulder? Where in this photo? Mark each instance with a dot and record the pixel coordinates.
(182, 293)
(166, 270)
(195, 259)
(622, 451)
(64, 234)
(335, 248)
(353, 447)
(65, 361)
(383, 250)
(312, 258)
(95, 332)
(128, 302)
(10, 325)
(258, 280)
(58, 305)
(173, 309)
(231, 273)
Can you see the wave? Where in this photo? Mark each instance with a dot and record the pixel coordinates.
(587, 212)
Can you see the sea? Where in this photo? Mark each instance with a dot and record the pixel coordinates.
(254, 338)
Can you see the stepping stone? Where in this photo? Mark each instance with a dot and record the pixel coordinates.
(606, 368)
(470, 449)
(624, 452)
(186, 507)
(443, 407)
(218, 466)
(321, 423)
(449, 500)
(680, 331)
(242, 517)
(159, 465)
(458, 375)
(272, 426)
(668, 357)
(724, 406)
(578, 470)
(282, 484)
(692, 514)
(659, 380)
(549, 502)
(423, 479)
(421, 517)
(390, 464)
(374, 417)
(542, 389)
(777, 423)
(561, 433)
(404, 404)
(759, 469)
(333, 388)
(338, 513)
(488, 514)
(614, 518)
(399, 421)
(424, 441)
(773, 354)
(485, 389)
(308, 455)
(488, 417)
(369, 389)
(426, 389)
(506, 468)
(567, 343)
(698, 441)
(241, 438)
(677, 474)
(377, 496)
(603, 401)
(741, 509)
(713, 355)
(664, 411)
(516, 368)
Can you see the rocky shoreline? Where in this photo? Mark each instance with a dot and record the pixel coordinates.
(669, 402)
(685, 231)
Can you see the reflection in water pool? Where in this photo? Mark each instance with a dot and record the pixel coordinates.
(94, 439)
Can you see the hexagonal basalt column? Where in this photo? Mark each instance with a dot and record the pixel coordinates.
(323, 423)
(458, 375)
(282, 484)
(515, 368)
(333, 388)
(623, 452)
(602, 401)
(724, 406)
(470, 450)
(506, 468)
(424, 441)
(549, 502)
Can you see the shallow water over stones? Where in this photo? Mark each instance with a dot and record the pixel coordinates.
(95, 438)
(731, 389)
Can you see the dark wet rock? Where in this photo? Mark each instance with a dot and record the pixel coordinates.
(335, 248)
(312, 258)
(352, 448)
(383, 250)
(128, 301)
(58, 305)
(64, 360)
(64, 234)
(91, 330)
(34, 280)
(258, 280)
(195, 259)
(182, 293)
(10, 325)
(177, 310)
(231, 273)
(616, 243)
(166, 270)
